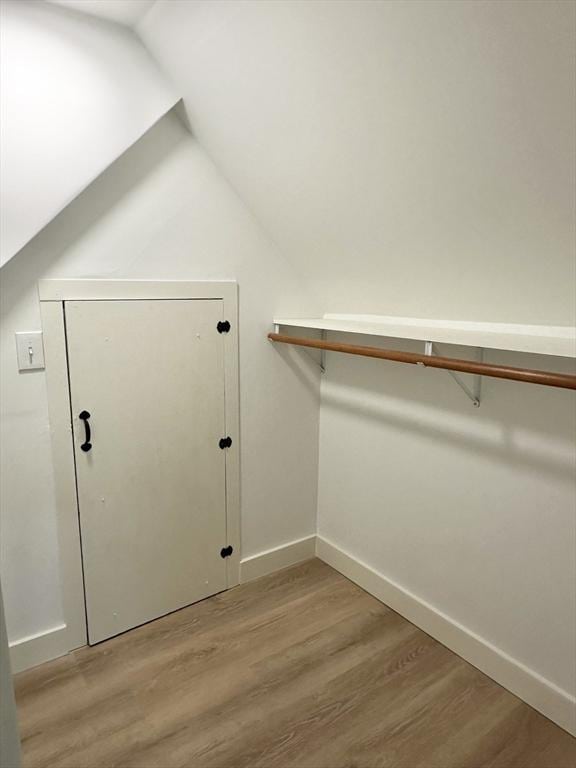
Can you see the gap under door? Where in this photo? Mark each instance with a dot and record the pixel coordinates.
(147, 381)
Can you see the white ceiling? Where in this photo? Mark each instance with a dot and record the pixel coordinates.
(127, 12)
(75, 95)
(410, 158)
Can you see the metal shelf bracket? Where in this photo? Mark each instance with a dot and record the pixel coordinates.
(322, 362)
(473, 393)
(323, 354)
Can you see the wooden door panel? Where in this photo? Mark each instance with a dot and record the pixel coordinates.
(151, 490)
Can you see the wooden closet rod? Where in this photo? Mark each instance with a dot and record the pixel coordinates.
(547, 378)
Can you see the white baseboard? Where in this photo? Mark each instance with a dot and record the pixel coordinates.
(274, 559)
(45, 646)
(547, 698)
(36, 649)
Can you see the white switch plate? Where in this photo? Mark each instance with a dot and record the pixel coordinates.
(30, 350)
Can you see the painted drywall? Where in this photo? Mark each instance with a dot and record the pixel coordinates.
(9, 735)
(411, 158)
(76, 92)
(408, 158)
(471, 509)
(417, 159)
(128, 12)
(160, 212)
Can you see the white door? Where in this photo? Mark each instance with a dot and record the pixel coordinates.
(151, 478)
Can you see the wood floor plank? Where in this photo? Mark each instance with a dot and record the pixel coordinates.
(300, 669)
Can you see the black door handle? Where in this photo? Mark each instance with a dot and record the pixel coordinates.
(86, 445)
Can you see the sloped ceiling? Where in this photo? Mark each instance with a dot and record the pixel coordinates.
(412, 158)
(128, 12)
(76, 93)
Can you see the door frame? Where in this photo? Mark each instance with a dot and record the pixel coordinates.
(52, 295)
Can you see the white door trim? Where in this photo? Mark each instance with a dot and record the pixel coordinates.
(53, 294)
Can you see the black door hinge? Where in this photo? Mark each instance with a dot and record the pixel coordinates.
(225, 442)
(226, 551)
(223, 326)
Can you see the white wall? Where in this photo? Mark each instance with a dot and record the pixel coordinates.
(76, 92)
(470, 509)
(417, 158)
(411, 158)
(161, 211)
(128, 12)
(9, 734)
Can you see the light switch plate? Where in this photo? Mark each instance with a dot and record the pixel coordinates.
(30, 350)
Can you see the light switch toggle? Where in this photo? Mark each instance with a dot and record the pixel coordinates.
(30, 350)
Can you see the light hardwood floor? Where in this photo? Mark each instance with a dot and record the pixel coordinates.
(301, 668)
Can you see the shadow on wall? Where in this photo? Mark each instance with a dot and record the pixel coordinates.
(516, 424)
(304, 364)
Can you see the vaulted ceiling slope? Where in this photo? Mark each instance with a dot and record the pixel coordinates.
(77, 91)
(128, 12)
(412, 158)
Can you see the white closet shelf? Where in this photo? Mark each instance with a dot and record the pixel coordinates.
(559, 341)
